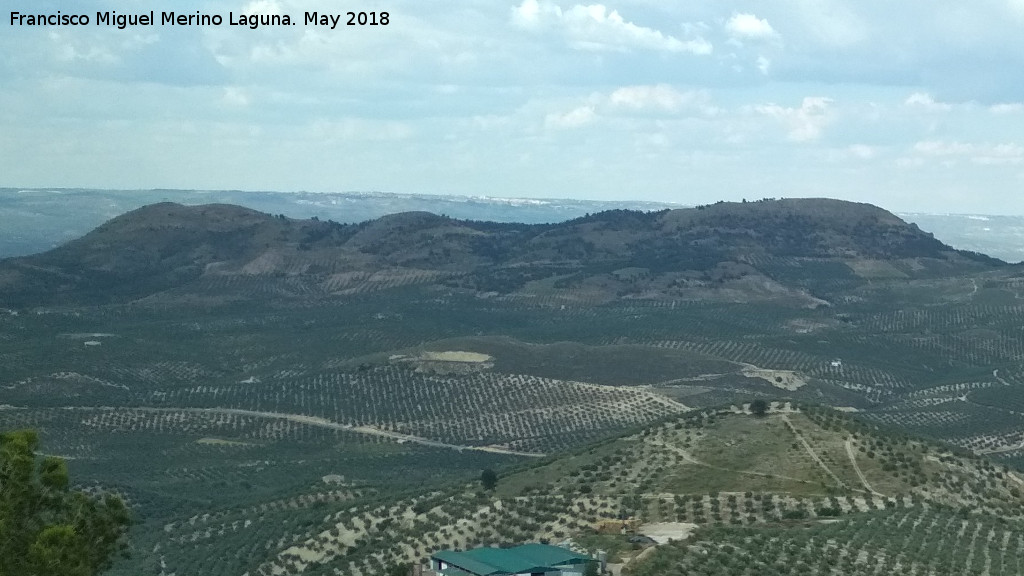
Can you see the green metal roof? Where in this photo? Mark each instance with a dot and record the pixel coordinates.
(501, 561)
(551, 555)
(466, 562)
(456, 572)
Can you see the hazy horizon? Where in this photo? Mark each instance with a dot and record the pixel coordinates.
(470, 196)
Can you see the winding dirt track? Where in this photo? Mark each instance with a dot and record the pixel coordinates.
(856, 468)
(324, 423)
(814, 455)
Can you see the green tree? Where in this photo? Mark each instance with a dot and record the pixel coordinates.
(400, 570)
(591, 569)
(489, 479)
(759, 407)
(45, 528)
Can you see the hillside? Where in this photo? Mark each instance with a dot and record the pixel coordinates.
(773, 249)
(802, 478)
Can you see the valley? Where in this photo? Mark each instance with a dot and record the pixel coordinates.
(275, 396)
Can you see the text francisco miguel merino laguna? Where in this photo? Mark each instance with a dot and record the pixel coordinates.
(150, 18)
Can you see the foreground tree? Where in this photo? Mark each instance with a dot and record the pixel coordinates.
(45, 528)
(759, 407)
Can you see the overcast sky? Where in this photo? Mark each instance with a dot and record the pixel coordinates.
(916, 105)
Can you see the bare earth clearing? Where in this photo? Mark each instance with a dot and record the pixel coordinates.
(663, 532)
(784, 379)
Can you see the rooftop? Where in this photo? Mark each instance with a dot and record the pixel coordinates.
(501, 561)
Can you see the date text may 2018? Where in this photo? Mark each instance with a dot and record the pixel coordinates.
(348, 18)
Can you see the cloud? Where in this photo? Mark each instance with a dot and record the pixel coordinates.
(942, 148)
(529, 13)
(746, 26)
(358, 129)
(595, 27)
(861, 151)
(805, 123)
(1016, 7)
(1009, 153)
(832, 23)
(925, 101)
(1007, 107)
(72, 50)
(262, 7)
(235, 96)
(640, 103)
(575, 118)
(659, 96)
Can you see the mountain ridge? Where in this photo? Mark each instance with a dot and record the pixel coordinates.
(166, 245)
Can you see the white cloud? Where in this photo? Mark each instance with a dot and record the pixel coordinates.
(263, 7)
(764, 64)
(832, 23)
(861, 151)
(1016, 7)
(235, 96)
(659, 96)
(595, 27)
(575, 118)
(359, 129)
(942, 148)
(528, 14)
(805, 123)
(749, 27)
(75, 48)
(650, 100)
(1007, 107)
(925, 101)
(1009, 153)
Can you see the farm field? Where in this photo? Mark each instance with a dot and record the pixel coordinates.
(224, 443)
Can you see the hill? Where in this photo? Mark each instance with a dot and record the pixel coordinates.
(777, 249)
(805, 479)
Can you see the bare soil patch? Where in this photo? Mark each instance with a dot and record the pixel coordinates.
(784, 379)
(664, 532)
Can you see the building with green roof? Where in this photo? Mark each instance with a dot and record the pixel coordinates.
(525, 560)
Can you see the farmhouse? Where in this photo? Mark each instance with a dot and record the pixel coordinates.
(525, 560)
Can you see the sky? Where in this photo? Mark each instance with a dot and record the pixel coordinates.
(917, 105)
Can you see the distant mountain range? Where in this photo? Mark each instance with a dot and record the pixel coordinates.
(771, 249)
(35, 220)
